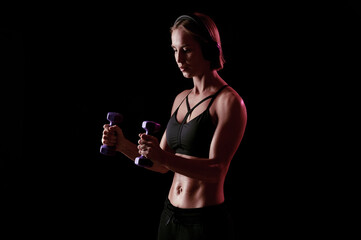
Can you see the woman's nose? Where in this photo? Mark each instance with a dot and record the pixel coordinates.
(179, 57)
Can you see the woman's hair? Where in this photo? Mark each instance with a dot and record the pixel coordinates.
(205, 31)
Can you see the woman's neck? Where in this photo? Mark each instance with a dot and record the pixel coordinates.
(207, 82)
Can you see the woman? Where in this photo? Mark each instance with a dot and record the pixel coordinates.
(205, 129)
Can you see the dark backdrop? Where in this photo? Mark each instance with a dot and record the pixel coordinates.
(66, 67)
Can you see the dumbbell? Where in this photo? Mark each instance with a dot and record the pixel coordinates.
(114, 118)
(150, 128)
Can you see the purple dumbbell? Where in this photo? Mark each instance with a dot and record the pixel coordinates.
(114, 119)
(149, 127)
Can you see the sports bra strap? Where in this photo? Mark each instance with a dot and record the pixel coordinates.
(204, 99)
(186, 97)
(215, 95)
(187, 103)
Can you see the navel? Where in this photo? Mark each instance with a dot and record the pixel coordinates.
(179, 190)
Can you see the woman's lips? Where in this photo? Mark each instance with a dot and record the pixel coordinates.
(183, 68)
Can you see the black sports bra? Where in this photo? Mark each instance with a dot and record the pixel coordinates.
(192, 138)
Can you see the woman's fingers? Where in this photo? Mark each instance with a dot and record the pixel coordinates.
(147, 140)
(108, 137)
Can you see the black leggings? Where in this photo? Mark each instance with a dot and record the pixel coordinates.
(207, 223)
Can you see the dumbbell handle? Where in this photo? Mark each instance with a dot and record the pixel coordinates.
(150, 128)
(114, 118)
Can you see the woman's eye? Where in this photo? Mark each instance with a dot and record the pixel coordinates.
(185, 50)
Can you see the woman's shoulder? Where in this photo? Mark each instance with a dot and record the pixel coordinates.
(181, 96)
(229, 94)
(229, 97)
(230, 105)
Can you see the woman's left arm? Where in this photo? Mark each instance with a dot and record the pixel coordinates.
(226, 139)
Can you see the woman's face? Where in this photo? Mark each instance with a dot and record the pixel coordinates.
(188, 54)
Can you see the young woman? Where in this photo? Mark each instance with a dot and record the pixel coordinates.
(204, 131)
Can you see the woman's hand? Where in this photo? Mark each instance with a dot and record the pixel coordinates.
(148, 146)
(113, 136)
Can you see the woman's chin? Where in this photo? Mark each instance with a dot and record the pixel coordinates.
(187, 75)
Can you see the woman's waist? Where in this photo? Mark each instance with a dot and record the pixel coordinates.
(205, 211)
(195, 193)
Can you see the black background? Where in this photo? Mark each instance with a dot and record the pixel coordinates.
(65, 67)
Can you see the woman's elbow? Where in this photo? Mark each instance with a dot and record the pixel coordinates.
(216, 173)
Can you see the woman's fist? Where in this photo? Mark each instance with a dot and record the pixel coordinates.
(112, 136)
(148, 146)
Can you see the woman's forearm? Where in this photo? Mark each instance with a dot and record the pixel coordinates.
(199, 168)
(130, 150)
